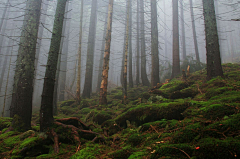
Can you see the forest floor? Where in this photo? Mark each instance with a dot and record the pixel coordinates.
(185, 118)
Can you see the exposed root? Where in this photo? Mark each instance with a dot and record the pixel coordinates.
(55, 139)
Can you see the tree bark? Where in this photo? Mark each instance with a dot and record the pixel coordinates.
(138, 52)
(21, 106)
(154, 44)
(176, 61)
(130, 47)
(46, 112)
(144, 77)
(90, 51)
(214, 67)
(104, 83)
(194, 32)
(184, 53)
(78, 92)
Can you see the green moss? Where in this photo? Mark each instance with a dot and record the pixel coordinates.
(137, 155)
(90, 152)
(67, 103)
(174, 85)
(5, 122)
(135, 139)
(216, 91)
(123, 153)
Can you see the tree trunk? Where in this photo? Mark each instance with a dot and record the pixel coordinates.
(78, 92)
(184, 53)
(144, 77)
(21, 106)
(126, 54)
(165, 34)
(101, 55)
(3, 16)
(90, 51)
(64, 57)
(104, 83)
(194, 32)
(176, 61)
(46, 112)
(137, 41)
(130, 47)
(214, 67)
(154, 44)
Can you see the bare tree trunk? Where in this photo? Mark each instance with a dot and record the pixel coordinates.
(21, 106)
(176, 61)
(126, 54)
(145, 80)
(46, 112)
(183, 33)
(78, 92)
(90, 51)
(130, 47)
(165, 34)
(104, 83)
(4, 15)
(101, 55)
(154, 44)
(194, 32)
(138, 52)
(214, 67)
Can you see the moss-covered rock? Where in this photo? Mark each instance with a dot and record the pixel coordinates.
(101, 117)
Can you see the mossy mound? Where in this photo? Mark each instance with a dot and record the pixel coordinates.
(5, 122)
(67, 103)
(101, 117)
(89, 152)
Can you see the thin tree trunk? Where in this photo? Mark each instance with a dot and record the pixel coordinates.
(90, 51)
(101, 55)
(138, 52)
(144, 77)
(21, 106)
(184, 53)
(104, 83)
(3, 16)
(176, 61)
(214, 67)
(154, 44)
(78, 92)
(165, 34)
(130, 47)
(194, 32)
(46, 112)
(126, 54)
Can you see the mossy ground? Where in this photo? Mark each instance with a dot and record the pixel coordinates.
(192, 118)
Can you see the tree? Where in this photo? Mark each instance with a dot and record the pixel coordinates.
(78, 92)
(104, 83)
(194, 32)
(90, 51)
(183, 32)
(137, 41)
(176, 61)
(154, 44)
(21, 106)
(126, 54)
(130, 47)
(214, 67)
(145, 81)
(46, 112)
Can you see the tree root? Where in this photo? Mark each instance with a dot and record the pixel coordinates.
(56, 143)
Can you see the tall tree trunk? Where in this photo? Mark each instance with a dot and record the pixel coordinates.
(21, 106)
(101, 55)
(214, 67)
(176, 61)
(90, 51)
(64, 57)
(194, 32)
(126, 54)
(138, 51)
(130, 46)
(78, 92)
(46, 112)
(154, 44)
(165, 34)
(184, 53)
(104, 83)
(4, 14)
(144, 77)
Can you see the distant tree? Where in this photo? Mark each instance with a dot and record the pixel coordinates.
(46, 112)
(21, 106)
(79, 55)
(130, 76)
(214, 67)
(184, 52)
(176, 60)
(90, 51)
(138, 51)
(144, 78)
(104, 83)
(126, 55)
(194, 32)
(154, 44)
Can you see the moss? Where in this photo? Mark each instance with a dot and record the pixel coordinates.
(67, 103)
(216, 91)
(101, 117)
(67, 110)
(90, 152)
(123, 153)
(84, 104)
(85, 110)
(135, 139)
(5, 122)
(18, 124)
(174, 85)
(173, 151)
(137, 155)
